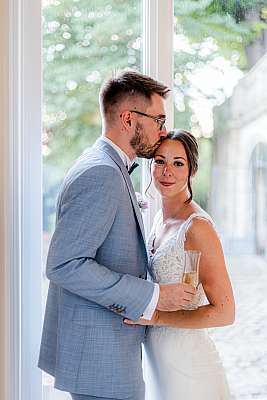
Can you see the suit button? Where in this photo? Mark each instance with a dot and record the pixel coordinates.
(120, 309)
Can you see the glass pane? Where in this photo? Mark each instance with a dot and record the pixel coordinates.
(84, 42)
(216, 95)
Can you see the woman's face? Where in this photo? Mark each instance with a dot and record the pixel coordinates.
(170, 169)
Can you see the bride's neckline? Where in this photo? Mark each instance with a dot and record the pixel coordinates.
(152, 249)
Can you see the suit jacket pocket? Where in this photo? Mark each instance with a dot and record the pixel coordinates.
(96, 318)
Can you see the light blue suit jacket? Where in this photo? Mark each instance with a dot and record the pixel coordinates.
(96, 262)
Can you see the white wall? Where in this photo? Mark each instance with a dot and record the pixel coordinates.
(3, 152)
(20, 198)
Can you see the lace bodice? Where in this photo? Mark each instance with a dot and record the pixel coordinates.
(167, 262)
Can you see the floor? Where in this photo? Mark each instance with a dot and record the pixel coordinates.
(243, 346)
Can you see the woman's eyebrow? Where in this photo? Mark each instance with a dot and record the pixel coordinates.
(176, 158)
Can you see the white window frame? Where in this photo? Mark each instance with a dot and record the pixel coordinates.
(22, 198)
(21, 176)
(158, 17)
(4, 66)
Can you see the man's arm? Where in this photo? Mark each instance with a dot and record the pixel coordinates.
(88, 208)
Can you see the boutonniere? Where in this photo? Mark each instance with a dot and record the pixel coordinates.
(142, 203)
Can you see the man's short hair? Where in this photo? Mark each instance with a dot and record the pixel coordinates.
(128, 85)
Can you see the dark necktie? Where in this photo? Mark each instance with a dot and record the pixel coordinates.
(132, 167)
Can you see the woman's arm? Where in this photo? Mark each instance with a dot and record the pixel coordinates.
(214, 278)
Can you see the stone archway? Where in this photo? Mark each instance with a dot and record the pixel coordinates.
(258, 170)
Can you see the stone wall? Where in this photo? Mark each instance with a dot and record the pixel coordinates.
(240, 126)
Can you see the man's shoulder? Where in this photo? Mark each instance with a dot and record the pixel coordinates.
(92, 176)
(92, 161)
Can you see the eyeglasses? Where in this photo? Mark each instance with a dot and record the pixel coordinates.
(159, 120)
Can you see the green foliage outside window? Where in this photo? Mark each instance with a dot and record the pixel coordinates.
(213, 28)
(85, 41)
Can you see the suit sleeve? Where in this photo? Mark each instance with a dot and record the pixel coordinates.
(87, 209)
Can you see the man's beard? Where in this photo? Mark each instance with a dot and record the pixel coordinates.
(140, 145)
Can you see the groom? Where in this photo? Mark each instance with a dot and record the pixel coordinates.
(97, 260)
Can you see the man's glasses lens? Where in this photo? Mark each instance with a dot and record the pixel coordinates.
(159, 121)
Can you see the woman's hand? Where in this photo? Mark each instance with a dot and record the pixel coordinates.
(141, 321)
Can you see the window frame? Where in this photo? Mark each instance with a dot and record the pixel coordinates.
(158, 29)
(23, 199)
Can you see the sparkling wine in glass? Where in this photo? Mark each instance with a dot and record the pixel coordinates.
(191, 267)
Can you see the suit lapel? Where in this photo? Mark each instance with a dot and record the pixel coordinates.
(107, 149)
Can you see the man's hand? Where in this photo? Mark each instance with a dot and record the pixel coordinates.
(176, 296)
(142, 321)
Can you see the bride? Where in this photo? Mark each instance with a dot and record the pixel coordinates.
(181, 361)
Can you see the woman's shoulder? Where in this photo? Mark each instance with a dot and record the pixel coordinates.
(201, 228)
(199, 221)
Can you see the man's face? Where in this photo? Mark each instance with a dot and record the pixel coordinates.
(148, 132)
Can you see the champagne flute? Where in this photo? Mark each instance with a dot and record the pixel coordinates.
(191, 271)
(191, 267)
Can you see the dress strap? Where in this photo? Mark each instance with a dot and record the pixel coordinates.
(181, 236)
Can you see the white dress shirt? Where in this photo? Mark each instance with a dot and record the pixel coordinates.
(151, 307)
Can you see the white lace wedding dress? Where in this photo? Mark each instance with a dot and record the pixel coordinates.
(180, 364)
